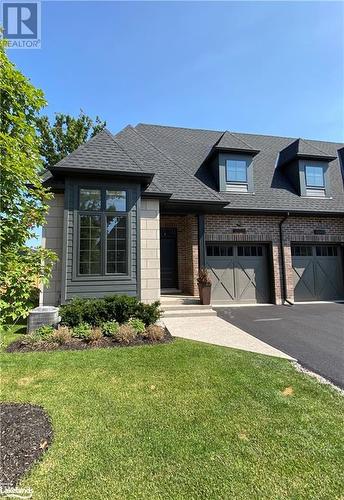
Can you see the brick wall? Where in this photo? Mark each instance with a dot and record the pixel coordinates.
(150, 250)
(266, 229)
(187, 248)
(52, 237)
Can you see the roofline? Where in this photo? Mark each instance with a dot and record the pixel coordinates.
(152, 195)
(252, 152)
(240, 133)
(145, 176)
(277, 211)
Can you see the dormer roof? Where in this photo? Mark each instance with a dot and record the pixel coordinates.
(302, 149)
(231, 142)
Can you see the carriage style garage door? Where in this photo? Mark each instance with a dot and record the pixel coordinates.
(239, 272)
(318, 272)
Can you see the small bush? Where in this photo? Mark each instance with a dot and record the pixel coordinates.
(31, 338)
(125, 334)
(110, 328)
(43, 333)
(96, 334)
(118, 308)
(82, 331)
(62, 335)
(148, 313)
(154, 333)
(137, 324)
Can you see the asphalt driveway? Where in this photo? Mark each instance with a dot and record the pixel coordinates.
(312, 333)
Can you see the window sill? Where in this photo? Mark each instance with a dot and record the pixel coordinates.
(239, 192)
(317, 197)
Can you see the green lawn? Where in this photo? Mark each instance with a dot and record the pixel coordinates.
(179, 421)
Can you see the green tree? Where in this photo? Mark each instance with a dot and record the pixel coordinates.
(24, 201)
(67, 133)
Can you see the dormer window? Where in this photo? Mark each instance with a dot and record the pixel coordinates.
(314, 179)
(314, 176)
(307, 168)
(236, 171)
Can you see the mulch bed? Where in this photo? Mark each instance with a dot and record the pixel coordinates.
(26, 434)
(23, 345)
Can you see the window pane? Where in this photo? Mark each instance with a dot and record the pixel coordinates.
(314, 176)
(116, 200)
(236, 170)
(116, 244)
(90, 199)
(90, 244)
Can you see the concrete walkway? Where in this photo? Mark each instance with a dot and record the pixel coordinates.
(214, 330)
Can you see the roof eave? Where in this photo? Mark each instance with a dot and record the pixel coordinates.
(142, 176)
(251, 152)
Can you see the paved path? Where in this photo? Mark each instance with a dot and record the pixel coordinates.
(214, 330)
(312, 333)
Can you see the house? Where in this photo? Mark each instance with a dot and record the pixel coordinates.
(141, 211)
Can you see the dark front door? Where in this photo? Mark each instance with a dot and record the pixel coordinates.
(168, 258)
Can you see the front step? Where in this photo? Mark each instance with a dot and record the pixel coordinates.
(188, 312)
(184, 306)
(174, 306)
(181, 313)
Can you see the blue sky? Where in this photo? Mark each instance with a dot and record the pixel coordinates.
(260, 67)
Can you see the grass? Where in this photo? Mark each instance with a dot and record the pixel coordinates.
(179, 421)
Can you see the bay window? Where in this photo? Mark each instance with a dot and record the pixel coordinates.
(103, 232)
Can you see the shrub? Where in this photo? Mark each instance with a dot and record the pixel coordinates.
(43, 333)
(118, 308)
(154, 333)
(137, 324)
(82, 331)
(110, 328)
(125, 334)
(121, 307)
(96, 334)
(62, 335)
(148, 313)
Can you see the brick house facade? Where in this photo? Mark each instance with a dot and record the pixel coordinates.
(264, 214)
(262, 228)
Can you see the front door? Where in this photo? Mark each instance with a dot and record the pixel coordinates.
(168, 258)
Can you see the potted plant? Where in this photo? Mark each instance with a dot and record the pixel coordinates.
(204, 286)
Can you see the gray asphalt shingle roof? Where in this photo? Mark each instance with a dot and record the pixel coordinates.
(272, 189)
(230, 141)
(178, 158)
(102, 152)
(170, 174)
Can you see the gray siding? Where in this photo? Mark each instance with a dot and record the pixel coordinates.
(98, 286)
(52, 238)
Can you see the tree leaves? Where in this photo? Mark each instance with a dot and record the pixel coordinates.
(65, 135)
(23, 198)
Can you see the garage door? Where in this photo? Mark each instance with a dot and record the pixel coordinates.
(318, 272)
(239, 272)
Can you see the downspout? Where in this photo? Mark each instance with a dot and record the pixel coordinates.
(284, 274)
